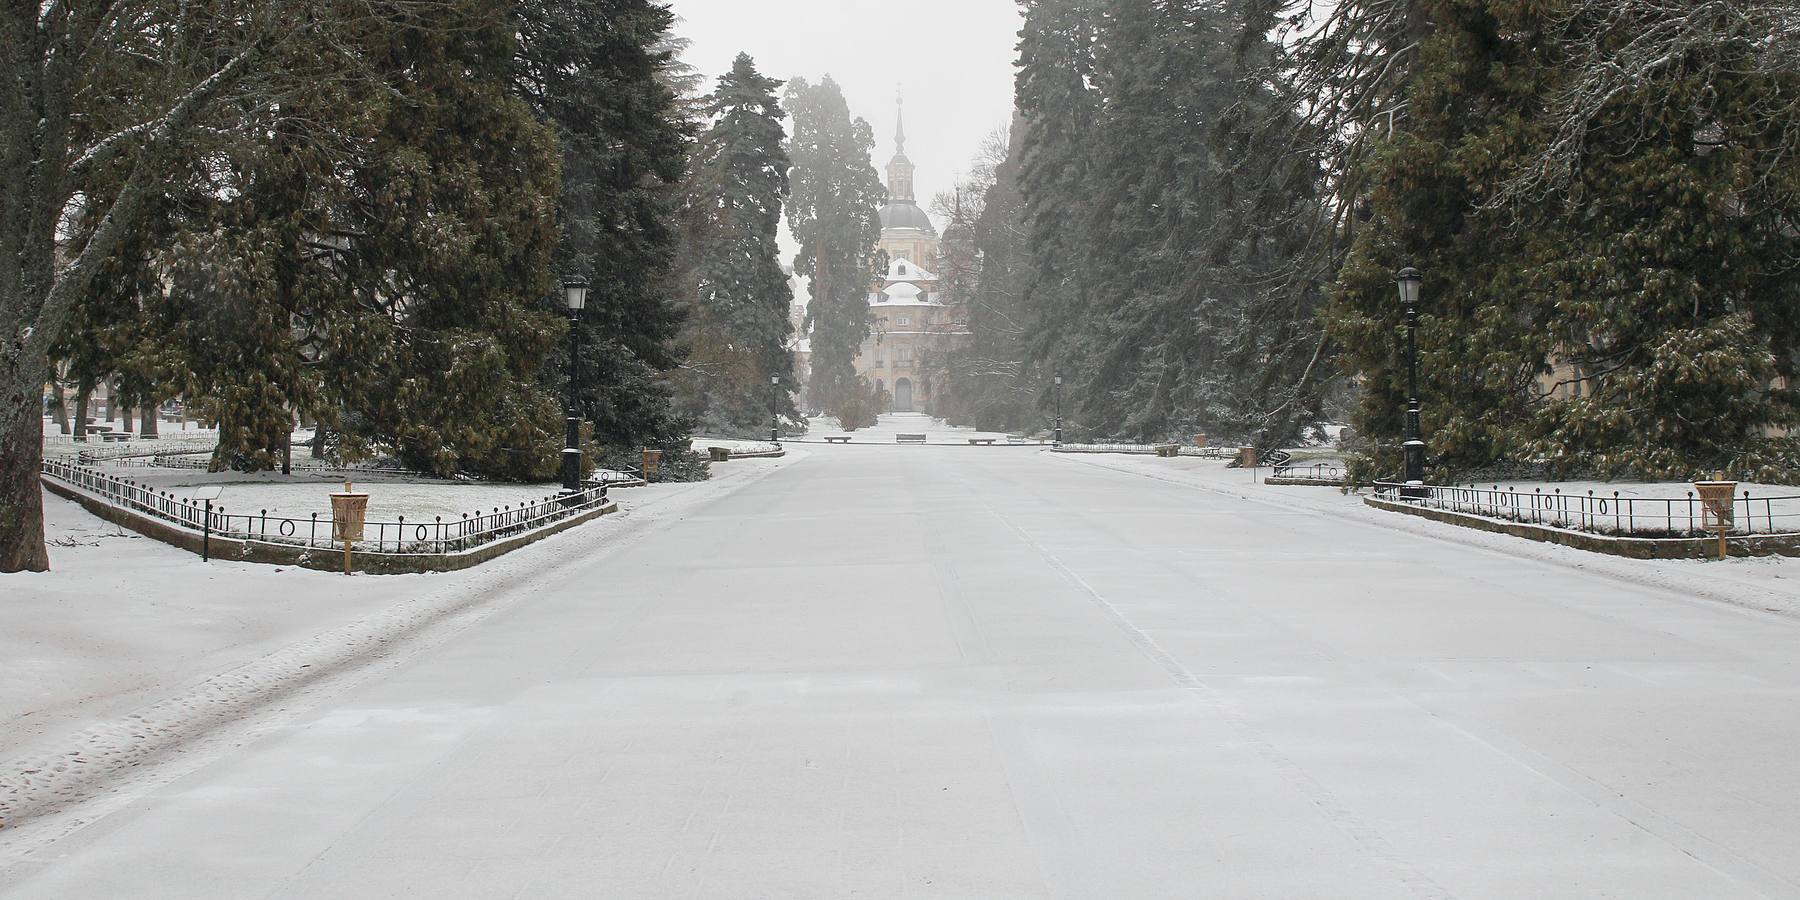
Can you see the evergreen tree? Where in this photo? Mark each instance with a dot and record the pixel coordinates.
(739, 329)
(1657, 269)
(986, 270)
(600, 72)
(1667, 259)
(836, 193)
(1153, 252)
(454, 226)
(1057, 105)
(361, 263)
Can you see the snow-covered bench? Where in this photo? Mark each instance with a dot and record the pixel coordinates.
(909, 438)
(837, 439)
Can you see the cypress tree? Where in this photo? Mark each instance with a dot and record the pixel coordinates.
(836, 193)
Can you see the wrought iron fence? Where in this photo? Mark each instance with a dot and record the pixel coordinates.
(1603, 512)
(440, 535)
(1320, 471)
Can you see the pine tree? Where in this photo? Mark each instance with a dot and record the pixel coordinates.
(836, 193)
(739, 329)
(600, 72)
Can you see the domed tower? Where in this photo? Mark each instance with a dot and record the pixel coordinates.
(906, 231)
(910, 327)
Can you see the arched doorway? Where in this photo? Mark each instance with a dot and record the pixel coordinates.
(903, 395)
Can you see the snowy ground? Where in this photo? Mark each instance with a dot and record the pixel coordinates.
(1764, 583)
(933, 672)
(122, 620)
(891, 424)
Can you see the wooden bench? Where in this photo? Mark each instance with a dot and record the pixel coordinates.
(987, 441)
(838, 439)
(904, 438)
(115, 436)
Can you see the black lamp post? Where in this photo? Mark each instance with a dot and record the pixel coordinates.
(1058, 435)
(575, 288)
(775, 409)
(1409, 280)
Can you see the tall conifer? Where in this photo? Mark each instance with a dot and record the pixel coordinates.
(597, 71)
(739, 329)
(836, 193)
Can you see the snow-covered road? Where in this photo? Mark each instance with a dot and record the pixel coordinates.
(993, 673)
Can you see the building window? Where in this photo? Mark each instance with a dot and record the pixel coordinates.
(902, 356)
(903, 268)
(903, 320)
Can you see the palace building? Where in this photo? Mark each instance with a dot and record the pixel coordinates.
(910, 324)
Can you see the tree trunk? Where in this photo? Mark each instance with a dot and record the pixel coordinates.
(61, 410)
(318, 442)
(148, 421)
(81, 414)
(22, 546)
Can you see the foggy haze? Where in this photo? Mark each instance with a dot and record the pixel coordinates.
(952, 59)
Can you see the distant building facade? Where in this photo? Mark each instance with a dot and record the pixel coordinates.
(910, 323)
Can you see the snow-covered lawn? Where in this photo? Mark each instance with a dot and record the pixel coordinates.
(735, 445)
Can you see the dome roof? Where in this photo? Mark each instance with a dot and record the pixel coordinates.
(905, 215)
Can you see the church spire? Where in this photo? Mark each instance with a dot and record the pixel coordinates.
(900, 169)
(900, 126)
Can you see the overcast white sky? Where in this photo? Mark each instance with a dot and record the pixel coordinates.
(952, 58)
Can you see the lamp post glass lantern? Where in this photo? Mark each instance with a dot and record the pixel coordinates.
(1057, 437)
(575, 288)
(775, 409)
(1408, 280)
